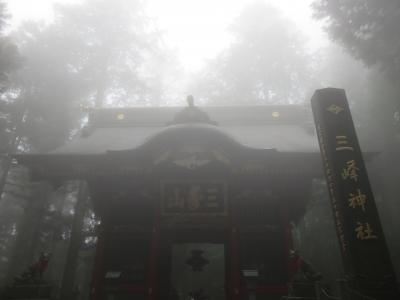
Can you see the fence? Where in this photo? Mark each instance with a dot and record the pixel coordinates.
(320, 293)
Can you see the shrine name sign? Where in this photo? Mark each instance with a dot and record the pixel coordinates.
(193, 197)
(365, 255)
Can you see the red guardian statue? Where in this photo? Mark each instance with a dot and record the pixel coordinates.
(35, 271)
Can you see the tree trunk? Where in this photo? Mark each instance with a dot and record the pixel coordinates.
(24, 248)
(67, 285)
(12, 149)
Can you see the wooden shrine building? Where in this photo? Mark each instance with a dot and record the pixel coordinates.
(193, 202)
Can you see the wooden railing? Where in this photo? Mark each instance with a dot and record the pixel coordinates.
(320, 293)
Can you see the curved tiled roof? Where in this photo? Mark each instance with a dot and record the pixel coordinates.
(284, 128)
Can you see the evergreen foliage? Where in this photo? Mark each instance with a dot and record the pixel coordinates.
(368, 29)
(265, 64)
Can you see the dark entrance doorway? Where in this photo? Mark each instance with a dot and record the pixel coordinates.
(193, 265)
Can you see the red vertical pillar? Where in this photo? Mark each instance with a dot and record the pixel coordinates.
(235, 278)
(287, 236)
(153, 259)
(235, 265)
(98, 269)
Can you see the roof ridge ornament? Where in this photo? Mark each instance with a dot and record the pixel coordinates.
(190, 101)
(191, 114)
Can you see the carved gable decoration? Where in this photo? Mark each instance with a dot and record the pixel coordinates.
(192, 156)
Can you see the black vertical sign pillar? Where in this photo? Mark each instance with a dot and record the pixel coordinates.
(365, 255)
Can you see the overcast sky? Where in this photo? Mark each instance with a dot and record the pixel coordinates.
(196, 29)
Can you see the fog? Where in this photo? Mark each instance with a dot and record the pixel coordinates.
(150, 86)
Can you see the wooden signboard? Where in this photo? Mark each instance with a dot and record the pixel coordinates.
(365, 255)
(205, 198)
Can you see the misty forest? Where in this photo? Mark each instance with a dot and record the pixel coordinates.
(127, 173)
